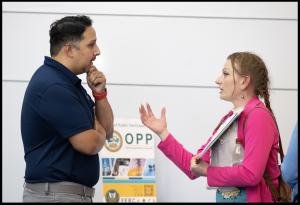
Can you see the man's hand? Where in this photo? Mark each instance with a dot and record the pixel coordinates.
(96, 80)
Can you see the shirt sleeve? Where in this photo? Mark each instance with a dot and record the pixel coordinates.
(61, 108)
(289, 166)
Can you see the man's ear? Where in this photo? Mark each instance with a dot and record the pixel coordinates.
(245, 82)
(68, 50)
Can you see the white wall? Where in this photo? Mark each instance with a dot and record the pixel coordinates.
(167, 54)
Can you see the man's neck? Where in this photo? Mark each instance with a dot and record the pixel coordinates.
(63, 62)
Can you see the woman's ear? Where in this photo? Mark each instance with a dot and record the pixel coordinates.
(245, 82)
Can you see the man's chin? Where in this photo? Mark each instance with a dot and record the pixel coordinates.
(89, 67)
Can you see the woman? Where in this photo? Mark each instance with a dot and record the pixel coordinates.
(243, 80)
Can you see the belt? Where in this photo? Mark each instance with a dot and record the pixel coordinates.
(61, 187)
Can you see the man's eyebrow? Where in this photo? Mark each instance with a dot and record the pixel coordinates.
(93, 41)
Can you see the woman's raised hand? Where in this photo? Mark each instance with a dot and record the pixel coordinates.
(157, 125)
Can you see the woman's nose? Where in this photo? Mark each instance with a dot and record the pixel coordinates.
(217, 81)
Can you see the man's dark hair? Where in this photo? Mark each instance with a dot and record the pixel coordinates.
(67, 29)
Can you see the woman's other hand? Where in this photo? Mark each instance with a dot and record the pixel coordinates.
(198, 167)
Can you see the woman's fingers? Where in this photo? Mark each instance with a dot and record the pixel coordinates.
(163, 113)
(143, 113)
(142, 110)
(149, 110)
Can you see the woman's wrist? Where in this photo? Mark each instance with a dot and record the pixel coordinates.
(164, 134)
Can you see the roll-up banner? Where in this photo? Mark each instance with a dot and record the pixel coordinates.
(127, 163)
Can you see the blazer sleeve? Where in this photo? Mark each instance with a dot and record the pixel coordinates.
(181, 157)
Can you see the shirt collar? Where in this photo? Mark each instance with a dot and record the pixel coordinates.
(252, 103)
(60, 67)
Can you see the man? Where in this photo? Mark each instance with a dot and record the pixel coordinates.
(62, 128)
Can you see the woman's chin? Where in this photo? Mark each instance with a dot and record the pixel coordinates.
(224, 98)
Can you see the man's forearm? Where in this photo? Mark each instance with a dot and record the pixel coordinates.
(104, 115)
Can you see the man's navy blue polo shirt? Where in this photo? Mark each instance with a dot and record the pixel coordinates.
(56, 107)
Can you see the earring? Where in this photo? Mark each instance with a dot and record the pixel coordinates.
(243, 97)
